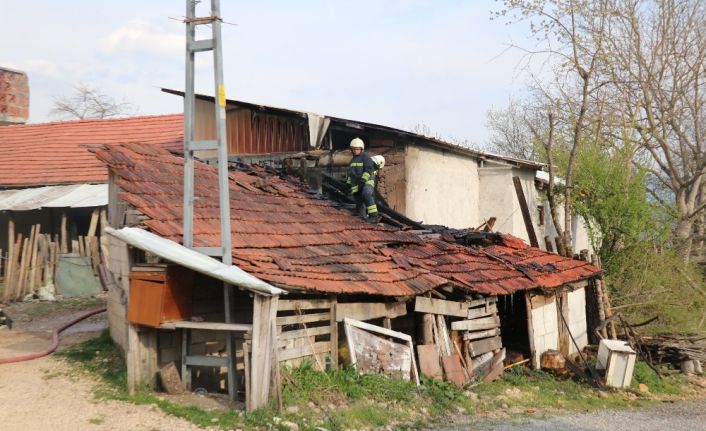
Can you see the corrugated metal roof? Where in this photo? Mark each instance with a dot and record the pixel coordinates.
(71, 196)
(188, 258)
(434, 142)
(285, 236)
(56, 153)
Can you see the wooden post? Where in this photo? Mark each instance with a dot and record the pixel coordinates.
(23, 268)
(562, 310)
(64, 234)
(264, 321)
(428, 328)
(334, 332)
(30, 287)
(525, 212)
(93, 225)
(104, 241)
(530, 330)
(10, 247)
(11, 288)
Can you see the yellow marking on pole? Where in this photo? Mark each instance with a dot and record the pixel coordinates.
(221, 95)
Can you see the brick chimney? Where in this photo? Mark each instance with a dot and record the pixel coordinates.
(14, 97)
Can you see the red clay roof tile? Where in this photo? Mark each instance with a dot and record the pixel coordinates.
(56, 153)
(284, 236)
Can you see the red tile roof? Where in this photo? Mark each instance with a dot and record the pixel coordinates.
(56, 153)
(548, 270)
(289, 238)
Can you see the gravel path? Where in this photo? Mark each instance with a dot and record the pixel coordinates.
(678, 416)
(45, 394)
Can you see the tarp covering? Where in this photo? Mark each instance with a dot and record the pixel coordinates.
(70, 196)
(177, 253)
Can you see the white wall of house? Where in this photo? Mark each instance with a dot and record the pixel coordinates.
(577, 319)
(442, 187)
(544, 324)
(497, 198)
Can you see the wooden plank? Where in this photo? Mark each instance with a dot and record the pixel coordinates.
(93, 224)
(303, 304)
(496, 367)
(443, 340)
(306, 332)
(486, 345)
(440, 306)
(482, 302)
(474, 313)
(303, 318)
(454, 370)
(377, 329)
(476, 324)
(481, 334)
(207, 326)
(264, 315)
(429, 361)
(372, 353)
(525, 212)
(305, 350)
(369, 310)
(333, 325)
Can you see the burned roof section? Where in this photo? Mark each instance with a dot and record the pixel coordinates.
(299, 241)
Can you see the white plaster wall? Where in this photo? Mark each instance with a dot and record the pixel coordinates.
(545, 328)
(442, 187)
(498, 199)
(576, 301)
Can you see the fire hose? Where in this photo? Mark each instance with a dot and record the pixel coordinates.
(55, 339)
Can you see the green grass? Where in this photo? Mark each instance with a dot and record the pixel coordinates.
(345, 399)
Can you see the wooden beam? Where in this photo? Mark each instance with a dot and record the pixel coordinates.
(303, 333)
(481, 334)
(476, 324)
(525, 212)
(369, 310)
(488, 310)
(440, 306)
(303, 304)
(303, 318)
(482, 302)
(486, 345)
(207, 326)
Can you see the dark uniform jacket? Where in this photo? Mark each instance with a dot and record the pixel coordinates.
(361, 172)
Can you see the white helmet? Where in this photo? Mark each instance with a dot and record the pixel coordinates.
(358, 143)
(379, 161)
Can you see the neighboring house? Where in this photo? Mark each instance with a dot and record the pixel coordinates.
(332, 265)
(52, 187)
(424, 178)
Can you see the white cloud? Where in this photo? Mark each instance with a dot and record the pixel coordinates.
(142, 36)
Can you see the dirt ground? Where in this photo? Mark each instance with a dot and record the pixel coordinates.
(45, 394)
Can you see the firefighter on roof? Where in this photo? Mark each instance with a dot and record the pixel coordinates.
(361, 179)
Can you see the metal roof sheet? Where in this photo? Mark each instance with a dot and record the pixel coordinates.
(69, 196)
(189, 258)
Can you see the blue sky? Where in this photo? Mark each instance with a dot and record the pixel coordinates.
(393, 62)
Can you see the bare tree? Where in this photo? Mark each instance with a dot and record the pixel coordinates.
(510, 135)
(572, 35)
(89, 102)
(657, 56)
